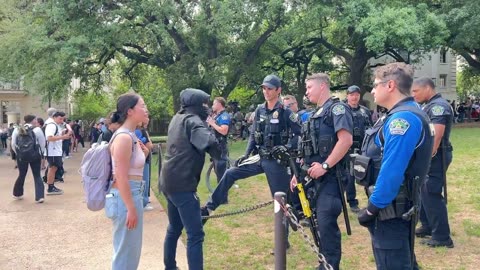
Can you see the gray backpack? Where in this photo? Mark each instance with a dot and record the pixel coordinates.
(96, 171)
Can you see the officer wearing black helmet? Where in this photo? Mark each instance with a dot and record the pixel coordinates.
(362, 119)
(188, 140)
(274, 125)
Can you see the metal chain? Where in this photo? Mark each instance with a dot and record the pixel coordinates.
(287, 210)
(240, 211)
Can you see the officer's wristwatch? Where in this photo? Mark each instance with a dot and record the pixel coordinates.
(325, 166)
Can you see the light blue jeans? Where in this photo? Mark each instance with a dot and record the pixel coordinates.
(127, 244)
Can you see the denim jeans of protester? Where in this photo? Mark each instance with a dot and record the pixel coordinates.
(127, 244)
(184, 211)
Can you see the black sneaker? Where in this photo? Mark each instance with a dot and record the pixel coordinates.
(54, 191)
(205, 213)
(355, 209)
(422, 232)
(435, 243)
(59, 180)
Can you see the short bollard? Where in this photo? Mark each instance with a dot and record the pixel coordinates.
(280, 232)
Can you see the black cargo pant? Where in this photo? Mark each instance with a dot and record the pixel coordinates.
(37, 178)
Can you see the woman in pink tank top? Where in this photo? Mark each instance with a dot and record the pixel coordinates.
(124, 205)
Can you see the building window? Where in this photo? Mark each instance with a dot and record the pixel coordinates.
(443, 80)
(443, 56)
(4, 112)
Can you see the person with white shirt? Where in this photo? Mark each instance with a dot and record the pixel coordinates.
(55, 136)
(34, 159)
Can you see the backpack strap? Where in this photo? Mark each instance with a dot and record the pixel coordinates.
(134, 142)
(46, 139)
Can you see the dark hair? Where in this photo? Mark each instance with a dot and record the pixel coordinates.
(40, 121)
(56, 114)
(28, 118)
(424, 81)
(401, 73)
(125, 102)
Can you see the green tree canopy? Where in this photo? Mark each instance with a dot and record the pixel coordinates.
(203, 44)
(463, 20)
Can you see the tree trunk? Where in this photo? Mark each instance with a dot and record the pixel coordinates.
(357, 66)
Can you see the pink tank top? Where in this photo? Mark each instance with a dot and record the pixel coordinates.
(137, 161)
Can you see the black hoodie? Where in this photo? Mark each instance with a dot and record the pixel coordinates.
(188, 141)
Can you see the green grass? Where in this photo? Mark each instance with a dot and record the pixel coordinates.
(245, 241)
(471, 228)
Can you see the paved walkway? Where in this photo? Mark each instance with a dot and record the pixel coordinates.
(62, 233)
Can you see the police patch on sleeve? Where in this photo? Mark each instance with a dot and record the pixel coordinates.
(438, 110)
(294, 117)
(224, 117)
(398, 126)
(338, 109)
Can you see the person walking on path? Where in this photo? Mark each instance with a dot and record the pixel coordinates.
(54, 151)
(124, 203)
(34, 159)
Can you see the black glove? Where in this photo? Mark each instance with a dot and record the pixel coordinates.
(240, 160)
(365, 219)
(280, 152)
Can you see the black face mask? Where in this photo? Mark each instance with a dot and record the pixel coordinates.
(204, 113)
(201, 111)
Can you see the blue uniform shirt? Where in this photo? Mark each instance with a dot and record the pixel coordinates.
(222, 118)
(140, 136)
(401, 134)
(305, 115)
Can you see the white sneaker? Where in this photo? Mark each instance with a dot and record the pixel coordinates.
(148, 207)
(41, 200)
(17, 197)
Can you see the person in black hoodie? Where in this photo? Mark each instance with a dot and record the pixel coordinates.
(188, 140)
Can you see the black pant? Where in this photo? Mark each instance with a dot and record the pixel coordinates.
(37, 178)
(66, 147)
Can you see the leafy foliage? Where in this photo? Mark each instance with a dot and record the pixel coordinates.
(468, 83)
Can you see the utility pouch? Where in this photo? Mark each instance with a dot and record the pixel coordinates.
(362, 170)
(325, 146)
(385, 213)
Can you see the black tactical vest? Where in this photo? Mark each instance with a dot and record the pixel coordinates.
(271, 127)
(420, 161)
(318, 134)
(361, 122)
(438, 100)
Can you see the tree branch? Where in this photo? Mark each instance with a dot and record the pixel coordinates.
(474, 63)
(177, 38)
(333, 48)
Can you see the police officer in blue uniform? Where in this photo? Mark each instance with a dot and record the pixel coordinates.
(433, 215)
(394, 163)
(362, 120)
(326, 138)
(220, 123)
(274, 125)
